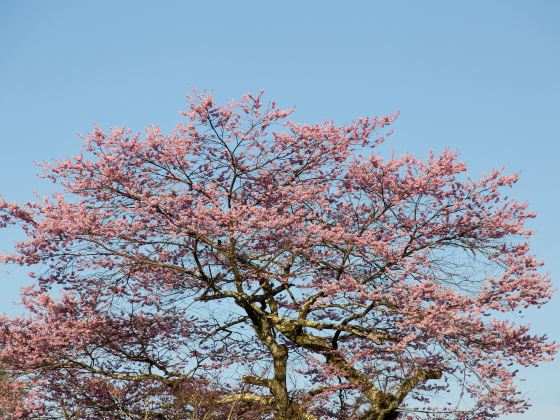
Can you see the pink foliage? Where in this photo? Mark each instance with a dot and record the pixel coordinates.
(196, 257)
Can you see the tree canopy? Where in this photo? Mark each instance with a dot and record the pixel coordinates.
(247, 266)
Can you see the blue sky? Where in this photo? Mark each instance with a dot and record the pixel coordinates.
(481, 77)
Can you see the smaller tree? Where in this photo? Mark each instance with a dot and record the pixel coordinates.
(15, 401)
(86, 361)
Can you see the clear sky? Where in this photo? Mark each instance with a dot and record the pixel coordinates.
(481, 77)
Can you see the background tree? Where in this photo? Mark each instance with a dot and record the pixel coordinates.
(246, 267)
(14, 400)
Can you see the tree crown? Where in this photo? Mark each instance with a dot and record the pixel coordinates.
(278, 269)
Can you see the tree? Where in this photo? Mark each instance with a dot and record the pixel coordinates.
(247, 267)
(13, 398)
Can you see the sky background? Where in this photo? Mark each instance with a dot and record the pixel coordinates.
(479, 77)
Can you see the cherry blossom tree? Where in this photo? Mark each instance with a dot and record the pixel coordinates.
(246, 266)
(13, 398)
